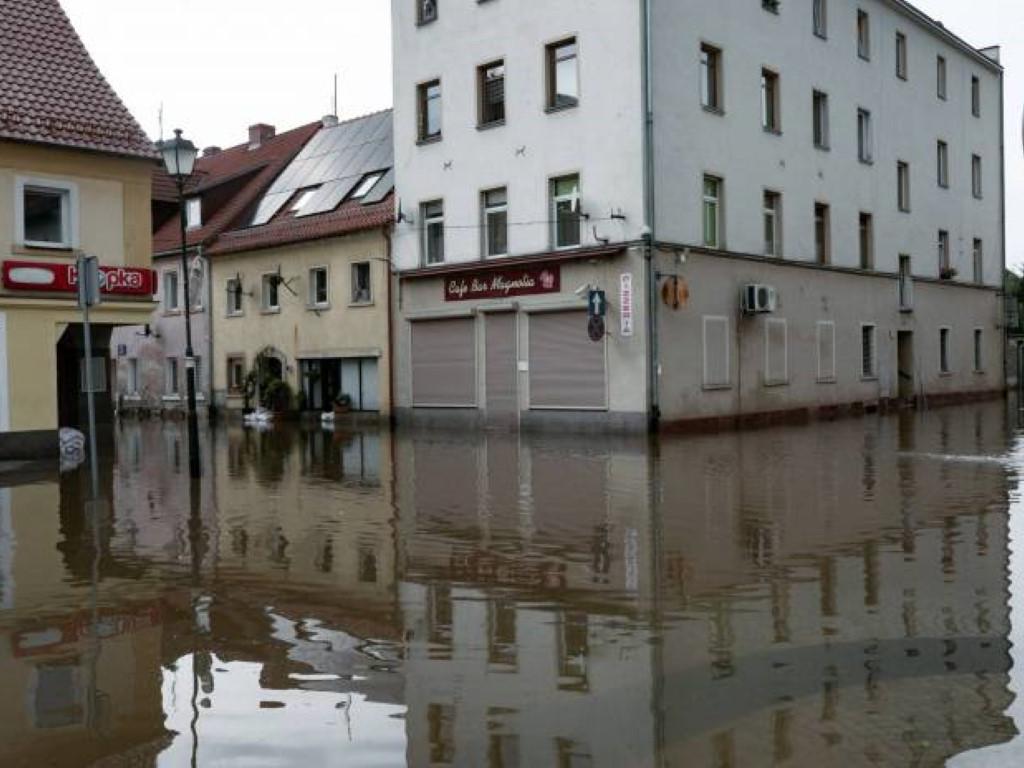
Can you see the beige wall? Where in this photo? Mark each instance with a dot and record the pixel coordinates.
(342, 330)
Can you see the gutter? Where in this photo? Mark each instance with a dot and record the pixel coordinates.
(651, 277)
(1002, 221)
(386, 231)
(941, 31)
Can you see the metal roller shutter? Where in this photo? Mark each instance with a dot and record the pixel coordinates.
(444, 363)
(501, 358)
(567, 369)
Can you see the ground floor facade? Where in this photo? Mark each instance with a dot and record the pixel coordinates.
(736, 340)
(42, 364)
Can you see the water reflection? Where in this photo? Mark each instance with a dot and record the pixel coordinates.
(830, 594)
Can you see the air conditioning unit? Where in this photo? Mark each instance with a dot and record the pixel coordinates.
(758, 299)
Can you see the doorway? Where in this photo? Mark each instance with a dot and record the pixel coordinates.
(905, 366)
(501, 371)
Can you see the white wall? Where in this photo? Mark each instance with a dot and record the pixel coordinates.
(908, 120)
(600, 139)
(5, 408)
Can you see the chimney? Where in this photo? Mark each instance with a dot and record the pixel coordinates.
(211, 151)
(329, 121)
(260, 134)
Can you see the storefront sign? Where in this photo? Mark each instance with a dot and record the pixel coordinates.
(626, 304)
(63, 278)
(503, 283)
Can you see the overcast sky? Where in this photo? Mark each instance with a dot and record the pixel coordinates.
(238, 62)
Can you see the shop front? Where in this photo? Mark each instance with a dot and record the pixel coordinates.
(516, 343)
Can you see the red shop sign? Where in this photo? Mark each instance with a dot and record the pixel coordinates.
(503, 283)
(63, 278)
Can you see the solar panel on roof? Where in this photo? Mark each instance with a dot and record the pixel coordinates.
(381, 189)
(269, 206)
(330, 196)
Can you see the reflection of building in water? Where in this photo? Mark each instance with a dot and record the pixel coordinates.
(831, 595)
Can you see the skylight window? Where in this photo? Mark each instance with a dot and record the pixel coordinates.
(302, 198)
(369, 182)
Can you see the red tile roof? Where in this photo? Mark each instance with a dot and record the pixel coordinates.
(350, 217)
(51, 91)
(251, 170)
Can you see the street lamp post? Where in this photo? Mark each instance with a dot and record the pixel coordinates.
(179, 157)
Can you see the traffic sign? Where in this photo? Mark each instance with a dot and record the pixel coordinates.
(597, 303)
(595, 328)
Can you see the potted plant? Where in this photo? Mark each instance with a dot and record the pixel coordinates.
(342, 404)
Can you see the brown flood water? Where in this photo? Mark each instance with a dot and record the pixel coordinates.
(825, 595)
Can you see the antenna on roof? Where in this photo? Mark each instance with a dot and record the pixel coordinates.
(335, 112)
(160, 120)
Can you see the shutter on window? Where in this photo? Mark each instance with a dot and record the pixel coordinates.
(444, 363)
(567, 369)
(501, 362)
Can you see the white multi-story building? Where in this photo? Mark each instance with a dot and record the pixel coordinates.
(789, 206)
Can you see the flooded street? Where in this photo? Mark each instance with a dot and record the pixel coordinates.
(836, 594)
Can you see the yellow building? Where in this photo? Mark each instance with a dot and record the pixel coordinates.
(75, 174)
(301, 293)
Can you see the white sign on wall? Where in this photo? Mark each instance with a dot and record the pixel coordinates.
(626, 304)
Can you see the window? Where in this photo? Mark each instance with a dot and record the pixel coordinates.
(563, 74)
(46, 213)
(361, 290)
(565, 211)
(942, 160)
(772, 224)
(867, 241)
(368, 182)
(945, 269)
(865, 140)
(978, 261)
(432, 215)
(976, 187)
(826, 351)
(172, 301)
(236, 374)
(711, 78)
(901, 56)
(906, 284)
(300, 199)
(822, 234)
(940, 77)
(944, 360)
(428, 97)
(979, 350)
(772, 6)
(770, 118)
(194, 212)
(319, 291)
(426, 11)
(712, 212)
(867, 352)
(903, 186)
(234, 296)
(172, 387)
(133, 376)
(270, 293)
(863, 35)
(975, 96)
(820, 127)
(491, 85)
(495, 222)
(820, 18)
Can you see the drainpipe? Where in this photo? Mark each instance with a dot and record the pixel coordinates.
(386, 231)
(647, 98)
(211, 408)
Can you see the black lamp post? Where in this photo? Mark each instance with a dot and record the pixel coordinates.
(179, 161)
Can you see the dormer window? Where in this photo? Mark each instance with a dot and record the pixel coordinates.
(368, 182)
(194, 212)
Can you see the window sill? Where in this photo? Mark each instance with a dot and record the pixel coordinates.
(823, 147)
(943, 186)
(716, 387)
(420, 23)
(424, 141)
(491, 126)
(979, 373)
(774, 384)
(906, 310)
(946, 374)
(870, 378)
(234, 314)
(550, 110)
(904, 210)
(821, 36)
(318, 307)
(275, 311)
(772, 131)
(172, 312)
(866, 161)
(133, 398)
(826, 380)
(171, 398)
(361, 304)
(717, 111)
(43, 248)
(864, 57)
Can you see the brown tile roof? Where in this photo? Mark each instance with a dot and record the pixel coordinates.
(51, 91)
(350, 217)
(250, 170)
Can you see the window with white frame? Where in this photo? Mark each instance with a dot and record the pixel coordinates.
(46, 213)
(432, 216)
(771, 118)
(772, 224)
(565, 212)
(172, 385)
(945, 362)
(906, 284)
(865, 138)
(495, 221)
(491, 93)
(945, 264)
(868, 358)
(361, 289)
(563, 74)
(233, 290)
(172, 291)
(819, 102)
(194, 212)
(236, 373)
(979, 350)
(270, 292)
(428, 99)
(712, 216)
(826, 342)
(819, 10)
(942, 163)
(319, 287)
